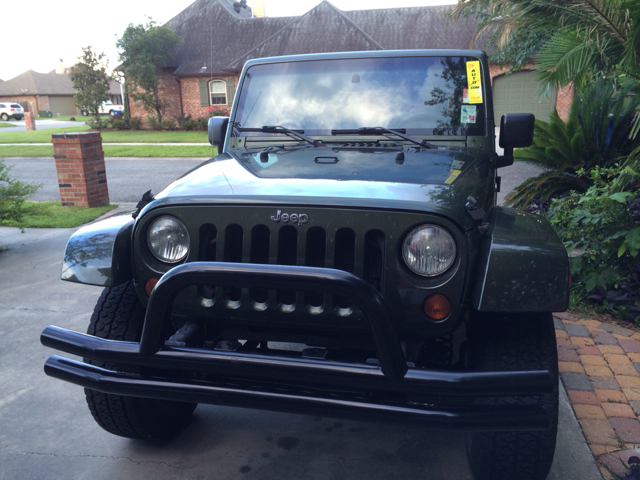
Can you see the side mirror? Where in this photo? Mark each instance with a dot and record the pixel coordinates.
(516, 131)
(217, 128)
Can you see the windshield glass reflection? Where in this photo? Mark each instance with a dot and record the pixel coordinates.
(424, 95)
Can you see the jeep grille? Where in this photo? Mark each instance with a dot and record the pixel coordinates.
(343, 249)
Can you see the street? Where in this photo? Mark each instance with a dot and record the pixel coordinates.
(129, 178)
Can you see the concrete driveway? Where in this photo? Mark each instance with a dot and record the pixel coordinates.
(46, 430)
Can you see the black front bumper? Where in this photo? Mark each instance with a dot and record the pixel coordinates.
(389, 392)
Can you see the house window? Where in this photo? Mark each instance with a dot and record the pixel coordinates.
(218, 92)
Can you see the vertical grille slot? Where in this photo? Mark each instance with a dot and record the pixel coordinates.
(287, 255)
(344, 259)
(208, 243)
(260, 238)
(315, 256)
(233, 254)
(374, 243)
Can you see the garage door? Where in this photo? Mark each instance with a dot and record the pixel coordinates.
(63, 106)
(516, 93)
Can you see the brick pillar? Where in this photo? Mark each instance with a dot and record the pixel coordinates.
(82, 177)
(30, 120)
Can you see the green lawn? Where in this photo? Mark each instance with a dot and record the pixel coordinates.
(204, 151)
(3, 124)
(54, 215)
(108, 136)
(38, 136)
(143, 136)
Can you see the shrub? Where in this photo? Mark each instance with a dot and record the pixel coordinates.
(203, 123)
(595, 135)
(604, 227)
(135, 123)
(168, 124)
(98, 123)
(13, 194)
(187, 123)
(218, 111)
(153, 123)
(118, 124)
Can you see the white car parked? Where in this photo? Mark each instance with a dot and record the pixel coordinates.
(106, 107)
(11, 110)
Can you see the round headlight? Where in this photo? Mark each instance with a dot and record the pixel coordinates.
(429, 250)
(168, 239)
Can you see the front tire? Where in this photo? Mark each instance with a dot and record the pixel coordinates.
(508, 342)
(119, 315)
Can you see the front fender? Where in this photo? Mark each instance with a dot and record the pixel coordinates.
(100, 253)
(523, 266)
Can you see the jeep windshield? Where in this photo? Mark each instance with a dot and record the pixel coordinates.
(427, 96)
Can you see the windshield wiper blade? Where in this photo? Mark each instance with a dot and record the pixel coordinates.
(287, 131)
(381, 131)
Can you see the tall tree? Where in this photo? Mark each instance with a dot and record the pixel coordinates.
(146, 50)
(578, 37)
(91, 80)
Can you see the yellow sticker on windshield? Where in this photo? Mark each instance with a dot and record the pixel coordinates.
(474, 82)
(452, 176)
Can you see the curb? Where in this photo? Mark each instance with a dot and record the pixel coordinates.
(599, 366)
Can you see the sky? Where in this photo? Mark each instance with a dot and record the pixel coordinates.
(59, 29)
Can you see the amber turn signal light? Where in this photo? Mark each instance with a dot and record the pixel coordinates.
(436, 307)
(149, 285)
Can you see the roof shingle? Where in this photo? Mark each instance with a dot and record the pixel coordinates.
(216, 40)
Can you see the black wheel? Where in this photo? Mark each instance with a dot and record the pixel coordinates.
(85, 113)
(118, 315)
(111, 114)
(4, 117)
(502, 342)
(18, 118)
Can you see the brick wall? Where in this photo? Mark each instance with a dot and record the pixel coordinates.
(43, 103)
(82, 177)
(563, 101)
(564, 96)
(191, 95)
(169, 91)
(170, 87)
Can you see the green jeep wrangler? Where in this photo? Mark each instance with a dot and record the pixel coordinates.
(342, 256)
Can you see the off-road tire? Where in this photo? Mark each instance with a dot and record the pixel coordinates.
(118, 315)
(511, 342)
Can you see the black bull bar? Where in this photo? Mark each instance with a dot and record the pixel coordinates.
(297, 385)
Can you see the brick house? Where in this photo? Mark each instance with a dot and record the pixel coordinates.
(47, 91)
(219, 36)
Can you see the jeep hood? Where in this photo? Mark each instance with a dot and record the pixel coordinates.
(434, 181)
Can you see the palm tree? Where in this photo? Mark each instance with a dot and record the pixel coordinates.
(585, 36)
